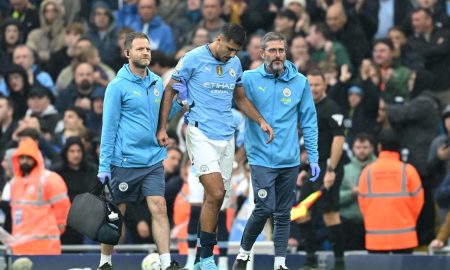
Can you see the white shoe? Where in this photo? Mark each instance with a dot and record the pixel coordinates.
(223, 263)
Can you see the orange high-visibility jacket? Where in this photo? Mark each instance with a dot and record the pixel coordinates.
(39, 206)
(390, 198)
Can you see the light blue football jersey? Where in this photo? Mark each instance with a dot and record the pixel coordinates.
(211, 85)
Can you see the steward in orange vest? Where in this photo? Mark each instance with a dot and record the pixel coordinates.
(390, 198)
(39, 203)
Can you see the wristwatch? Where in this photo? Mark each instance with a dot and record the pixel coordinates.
(330, 169)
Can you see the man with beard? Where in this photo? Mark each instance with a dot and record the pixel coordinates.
(79, 93)
(130, 157)
(212, 73)
(39, 203)
(352, 221)
(283, 97)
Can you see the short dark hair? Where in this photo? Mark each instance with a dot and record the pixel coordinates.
(79, 112)
(272, 36)
(9, 102)
(30, 132)
(363, 137)
(323, 29)
(316, 72)
(234, 32)
(132, 36)
(287, 13)
(389, 141)
(427, 11)
(385, 41)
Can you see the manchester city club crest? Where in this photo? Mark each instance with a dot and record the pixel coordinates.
(232, 72)
(123, 186)
(287, 92)
(262, 193)
(156, 92)
(219, 70)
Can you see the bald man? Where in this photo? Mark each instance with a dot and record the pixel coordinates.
(348, 32)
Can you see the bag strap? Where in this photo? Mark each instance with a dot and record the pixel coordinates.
(99, 190)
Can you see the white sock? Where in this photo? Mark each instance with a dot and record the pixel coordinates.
(190, 258)
(244, 252)
(105, 259)
(279, 261)
(223, 262)
(165, 260)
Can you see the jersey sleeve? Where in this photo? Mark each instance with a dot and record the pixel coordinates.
(335, 121)
(185, 68)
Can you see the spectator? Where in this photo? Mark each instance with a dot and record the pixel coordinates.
(7, 123)
(26, 13)
(73, 118)
(40, 105)
(119, 58)
(443, 234)
(163, 66)
(349, 33)
(80, 90)
(85, 52)
(102, 31)
(352, 221)
(298, 7)
(416, 124)
(79, 175)
(404, 54)
(439, 163)
(394, 77)
(24, 56)
(433, 44)
(389, 175)
(183, 25)
(252, 51)
(323, 49)
(211, 11)
(174, 183)
(94, 116)
(48, 38)
(171, 10)
(61, 58)
(150, 23)
(39, 222)
(285, 24)
(234, 9)
(18, 89)
(10, 37)
(259, 15)
(299, 53)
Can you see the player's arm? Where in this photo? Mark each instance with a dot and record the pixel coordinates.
(250, 111)
(164, 110)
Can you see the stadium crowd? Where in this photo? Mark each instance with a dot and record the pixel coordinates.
(385, 63)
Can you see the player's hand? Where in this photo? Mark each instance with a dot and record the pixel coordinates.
(103, 177)
(315, 171)
(328, 179)
(161, 136)
(182, 90)
(267, 129)
(436, 244)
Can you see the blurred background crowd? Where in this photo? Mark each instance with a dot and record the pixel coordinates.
(386, 64)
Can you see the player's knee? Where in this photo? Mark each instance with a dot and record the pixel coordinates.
(282, 219)
(216, 195)
(263, 211)
(158, 207)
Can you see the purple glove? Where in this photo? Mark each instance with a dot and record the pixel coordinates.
(315, 171)
(181, 89)
(185, 118)
(103, 177)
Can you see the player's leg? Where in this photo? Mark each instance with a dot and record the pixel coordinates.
(263, 180)
(195, 199)
(307, 231)
(285, 198)
(153, 188)
(332, 220)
